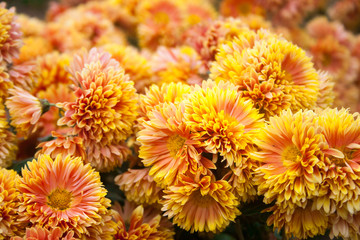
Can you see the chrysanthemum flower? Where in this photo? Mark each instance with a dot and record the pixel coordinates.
(105, 158)
(200, 204)
(135, 222)
(221, 121)
(106, 104)
(270, 71)
(23, 75)
(139, 186)
(25, 110)
(5, 83)
(177, 65)
(38, 233)
(63, 193)
(197, 11)
(236, 8)
(64, 145)
(160, 23)
(326, 92)
(9, 195)
(291, 156)
(33, 47)
(299, 223)
(8, 146)
(30, 26)
(10, 40)
(167, 146)
(166, 93)
(135, 65)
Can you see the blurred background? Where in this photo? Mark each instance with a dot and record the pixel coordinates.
(34, 8)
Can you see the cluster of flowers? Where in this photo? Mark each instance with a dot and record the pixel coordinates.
(209, 113)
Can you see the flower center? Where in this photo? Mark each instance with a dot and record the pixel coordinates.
(59, 199)
(291, 153)
(175, 143)
(200, 200)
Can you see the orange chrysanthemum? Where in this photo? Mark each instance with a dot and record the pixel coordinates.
(272, 72)
(167, 146)
(8, 147)
(25, 110)
(291, 156)
(221, 121)
(64, 145)
(200, 204)
(106, 104)
(64, 193)
(135, 222)
(139, 186)
(9, 204)
(38, 233)
(10, 38)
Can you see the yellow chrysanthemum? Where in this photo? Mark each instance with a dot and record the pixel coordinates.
(200, 204)
(135, 65)
(139, 186)
(9, 204)
(64, 193)
(272, 72)
(291, 156)
(167, 145)
(137, 222)
(221, 121)
(8, 147)
(299, 223)
(106, 104)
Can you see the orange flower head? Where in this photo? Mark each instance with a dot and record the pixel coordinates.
(292, 158)
(64, 193)
(39, 233)
(64, 145)
(167, 147)
(10, 224)
(200, 204)
(139, 186)
(270, 71)
(221, 121)
(25, 110)
(106, 102)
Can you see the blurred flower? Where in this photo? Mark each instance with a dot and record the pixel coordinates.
(291, 157)
(25, 110)
(221, 121)
(30, 26)
(106, 103)
(10, 202)
(200, 204)
(10, 40)
(347, 12)
(167, 146)
(236, 8)
(197, 11)
(38, 233)
(135, 222)
(268, 70)
(64, 145)
(73, 201)
(23, 75)
(139, 186)
(33, 47)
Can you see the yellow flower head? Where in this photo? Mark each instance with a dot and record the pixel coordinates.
(139, 186)
(221, 120)
(200, 204)
(64, 193)
(106, 104)
(10, 224)
(291, 156)
(271, 72)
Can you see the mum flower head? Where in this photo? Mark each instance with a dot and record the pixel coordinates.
(200, 204)
(25, 110)
(10, 40)
(9, 205)
(106, 102)
(166, 145)
(221, 121)
(268, 70)
(291, 154)
(64, 193)
(39, 233)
